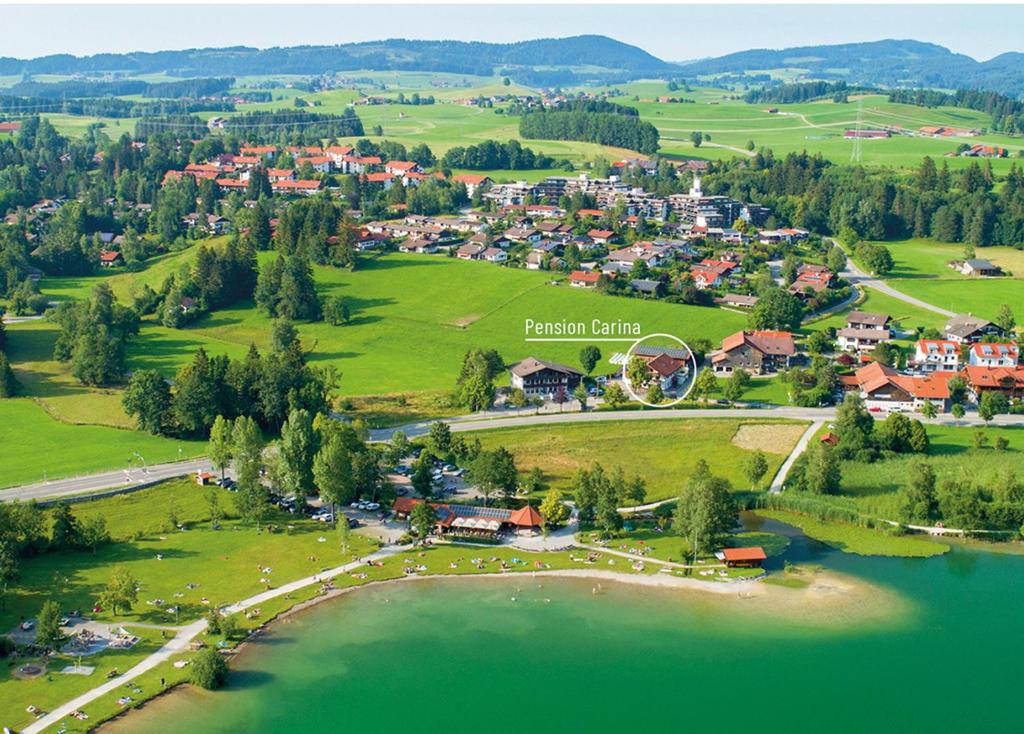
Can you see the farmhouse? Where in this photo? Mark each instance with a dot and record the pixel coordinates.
(537, 378)
(976, 267)
(1006, 380)
(758, 352)
(110, 258)
(670, 366)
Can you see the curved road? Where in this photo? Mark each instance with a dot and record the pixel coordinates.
(856, 276)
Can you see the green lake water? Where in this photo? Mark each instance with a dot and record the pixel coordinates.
(548, 655)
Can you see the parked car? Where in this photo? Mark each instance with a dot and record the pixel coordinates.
(353, 523)
(372, 506)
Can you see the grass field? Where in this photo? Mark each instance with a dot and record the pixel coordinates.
(410, 326)
(38, 447)
(907, 316)
(664, 453)
(921, 271)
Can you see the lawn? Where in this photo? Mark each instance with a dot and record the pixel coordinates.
(862, 541)
(906, 316)
(38, 447)
(663, 452)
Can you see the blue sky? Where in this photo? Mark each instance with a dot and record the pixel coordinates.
(673, 33)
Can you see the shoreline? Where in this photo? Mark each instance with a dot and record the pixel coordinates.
(824, 586)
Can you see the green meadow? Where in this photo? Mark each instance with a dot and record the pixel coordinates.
(663, 452)
(921, 270)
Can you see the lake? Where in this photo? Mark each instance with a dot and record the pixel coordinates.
(550, 655)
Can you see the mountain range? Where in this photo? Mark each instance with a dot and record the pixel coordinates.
(551, 61)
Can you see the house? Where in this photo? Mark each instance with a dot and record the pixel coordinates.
(742, 557)
(931, 355)
(110, 258)
(645, 286)
(670, 366)
(417, 245)
(494, 255)
(537, 378)
(584, 279)
(984, 354)
(1006, 380)
(385, 180)
(967, 328)
(601, 236)
(884, 389)
(864, 331)
(259, 151)
(523, 234)
(401, 168)
(319, 163)
(757, 352)
(534, 260)
(709, 276)
(737, 300)
(976, 267)
(470, 251)
(811, 279)
(304, 187)
(472, 181)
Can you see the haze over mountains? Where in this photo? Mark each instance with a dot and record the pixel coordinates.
(560, 61)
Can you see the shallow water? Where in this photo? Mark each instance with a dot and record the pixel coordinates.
(546, 654)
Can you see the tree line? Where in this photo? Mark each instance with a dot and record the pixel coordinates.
(607, 128)
(1007, 113)
(491, 155)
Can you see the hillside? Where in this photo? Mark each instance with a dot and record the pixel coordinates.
(519, 59)
(889, 62)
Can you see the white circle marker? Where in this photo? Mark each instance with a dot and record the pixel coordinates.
(629, 385)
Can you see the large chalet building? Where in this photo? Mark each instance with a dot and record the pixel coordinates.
(757, 352)
(537, 378)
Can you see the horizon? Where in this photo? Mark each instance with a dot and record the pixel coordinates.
(83, 30)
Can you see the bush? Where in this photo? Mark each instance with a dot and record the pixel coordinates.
(7, 646)
(209, 670)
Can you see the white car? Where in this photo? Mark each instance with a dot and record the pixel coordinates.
(373, 506)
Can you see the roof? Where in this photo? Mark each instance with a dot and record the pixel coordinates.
(402, 165)
(665, 365)
(532, 365)
(996, 351)
(867, 318)
(936, 346)
(525, 517)
(995, 377)
(875, 376)
(755, 553)
(584, 276)
(474, 179)
(766, 342)
(965, 325)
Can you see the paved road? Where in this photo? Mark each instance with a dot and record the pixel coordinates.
(801, 446)
(856, 276)
(187, 633)
(117, 479)
(105, 480)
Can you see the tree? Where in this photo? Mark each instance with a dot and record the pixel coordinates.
(705, 384)
(332, 471)
(958, 411)
(423, 518)
(64, 533)
(776, 309)
(919, 500)
(822, 473)
(93, 532)
(336, 311)
(213, 504)
(49, 634)
(756, 467)
(495, 471)
(928, 409)
(297, 448)
(148, 399)
(208, 669)
(1005, 320)
(992, 404)
(736, 385)
(552, 509)
(636, 492)
(655, 395)
(606, 515)
(121, 592)
(422, 476)
(696, 138)
(440, 438)
(251, 501)
(220, 444)
(8, 383)
(854, 425)
(615, 396)
(638, 373)
(581, 396)
(705, 511)
(589, 357)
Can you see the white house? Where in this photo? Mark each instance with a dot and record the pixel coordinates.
(993, 355)
(936, 355)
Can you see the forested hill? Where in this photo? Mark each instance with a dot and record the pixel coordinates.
(517, 59)
(901, 63)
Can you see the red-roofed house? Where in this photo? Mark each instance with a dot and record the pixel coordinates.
(110, 258)
(985, 354)
(472, 181)
(743, 557)
(885, 389)
(1007, 380)
(601, 236)
(584, 279)
(932, 355)
(400, 168)
(306, 188)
